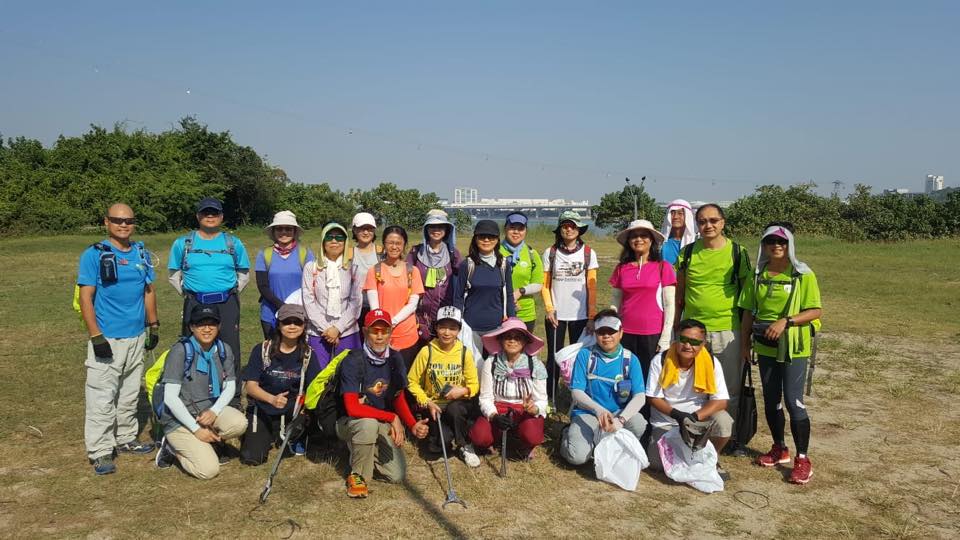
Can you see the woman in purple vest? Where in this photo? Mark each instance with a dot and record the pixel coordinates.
(437, 258)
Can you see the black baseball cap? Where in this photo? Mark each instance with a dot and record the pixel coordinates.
(201, 312)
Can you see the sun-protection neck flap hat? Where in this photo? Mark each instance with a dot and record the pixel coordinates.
(572, 217)
(689, 227)
(491, 340)
(639, 225)
(439, 217)
(284, 218)
(782, 232)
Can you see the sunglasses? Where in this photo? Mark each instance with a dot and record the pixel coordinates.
(514, 336)
(284, 228)
(711, 221)
(775, 241)
(335, 238)
(122, 220)
(486, 238)
(210, 212)
(693, 342)
(644, 236)
(293, 322)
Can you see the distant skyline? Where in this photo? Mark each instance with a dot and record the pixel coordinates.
(532, 99)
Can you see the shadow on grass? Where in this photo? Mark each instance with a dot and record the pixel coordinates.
(433, 511)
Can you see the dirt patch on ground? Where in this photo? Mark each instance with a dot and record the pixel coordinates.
(884, 447)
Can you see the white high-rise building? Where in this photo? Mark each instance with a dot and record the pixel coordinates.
(933, 183)
(465, 195)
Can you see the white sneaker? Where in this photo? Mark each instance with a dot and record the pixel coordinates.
(470, 456)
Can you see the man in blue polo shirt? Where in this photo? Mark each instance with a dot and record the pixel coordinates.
(208, 266)
(118, 304)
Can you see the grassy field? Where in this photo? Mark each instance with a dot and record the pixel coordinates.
(885, 430)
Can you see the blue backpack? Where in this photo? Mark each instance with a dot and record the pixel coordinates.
(152, 378)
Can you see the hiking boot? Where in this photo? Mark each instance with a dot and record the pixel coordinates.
(734, 449)
(299, 448)
(469, 456)
(356, 486)
(724, 475)
(104, 465)
(165, 456)
(802, 470)
(135, 447)
(223, 452)
(778, 455)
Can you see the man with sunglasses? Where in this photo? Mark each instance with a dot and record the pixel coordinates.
(119, 308)
(711, 272)
(210, 267)
(686, 388)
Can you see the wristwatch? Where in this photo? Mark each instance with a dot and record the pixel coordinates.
(523, 291)
(789, 322)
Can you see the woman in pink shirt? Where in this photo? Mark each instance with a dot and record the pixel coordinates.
(643, 292)
(395, 286)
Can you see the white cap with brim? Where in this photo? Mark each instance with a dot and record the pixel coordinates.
(363, 219)
(612, 323)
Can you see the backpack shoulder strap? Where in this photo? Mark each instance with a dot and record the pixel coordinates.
(231, 249)
(735, 278)
(187, 246)
(530, 364)
(409, 279)
(687, 254)
(378, 271)
(188, 355)
(268, 257)
(302, 255)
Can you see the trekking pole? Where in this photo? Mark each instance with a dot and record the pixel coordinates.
(503, 448)
(297, 422)
(813, 362)
(556, 371)
(451, 494)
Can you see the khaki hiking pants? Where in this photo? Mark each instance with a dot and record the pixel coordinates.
(198, 458)
(110, 396)
(372, 448)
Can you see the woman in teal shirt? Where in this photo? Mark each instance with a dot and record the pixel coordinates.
(782, 314)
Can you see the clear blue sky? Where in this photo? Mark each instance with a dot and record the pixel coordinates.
(515, 98)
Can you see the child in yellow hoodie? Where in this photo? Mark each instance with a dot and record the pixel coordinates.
(444, 381)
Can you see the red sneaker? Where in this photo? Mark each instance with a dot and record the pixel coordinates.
(802, 470)
(777, 455)
(356, 487)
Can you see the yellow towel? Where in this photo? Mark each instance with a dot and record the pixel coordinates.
(703, 378)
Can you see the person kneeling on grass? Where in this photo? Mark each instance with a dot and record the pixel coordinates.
(443, 379)
(607, 389)
(372, 383)
(686, 388)
(278, 371)
(196, 417)
(513, 388)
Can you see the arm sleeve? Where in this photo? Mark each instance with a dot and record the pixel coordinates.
(373, 299)
(355, 409)
(669, 308)
(176, 280)
(633, 406)
(263, 286)
(532, 289)
(403, 410)
(370, 288)
(243, 277)
(578, 384)
(409, 309)
(540, 396)
(487, 406)
(171, 398)
(470, 377)
(582, 400)
(352, 305)
(226, 394)
(546, 294)
(415, 375)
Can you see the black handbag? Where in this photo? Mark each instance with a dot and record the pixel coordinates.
(745, 423)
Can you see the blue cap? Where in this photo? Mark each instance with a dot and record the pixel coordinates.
(209, 202)
(516, 217)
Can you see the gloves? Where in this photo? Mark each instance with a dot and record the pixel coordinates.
(680, 416)
(153, 338)
(503, 421)
(101, 347)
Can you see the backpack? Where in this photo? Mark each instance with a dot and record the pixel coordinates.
(268, 257)
(624, 375)
(151, 379)
(108, 268)
(734, 279)
(188, 248)
(472, 267)
(323, 398)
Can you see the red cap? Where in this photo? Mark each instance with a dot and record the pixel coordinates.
(375, 316)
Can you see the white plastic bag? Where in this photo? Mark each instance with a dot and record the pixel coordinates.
(466, 337)
(618, 459)
(566, 356)
(681, 464)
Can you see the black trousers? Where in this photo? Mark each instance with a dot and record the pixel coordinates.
(256, 445)
(229, 331)
(555, 342)
(456, 420)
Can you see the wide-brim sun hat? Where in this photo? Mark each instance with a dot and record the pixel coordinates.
(283, 218)
(491, 340)
(638, 225)
(572, 217)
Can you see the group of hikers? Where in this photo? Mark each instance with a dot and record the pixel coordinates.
(429, 343)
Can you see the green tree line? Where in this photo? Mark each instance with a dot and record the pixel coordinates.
(68, 186)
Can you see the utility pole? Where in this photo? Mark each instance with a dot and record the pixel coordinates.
(642, 180)
(836, 187)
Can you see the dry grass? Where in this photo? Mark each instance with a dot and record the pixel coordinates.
(885, 432)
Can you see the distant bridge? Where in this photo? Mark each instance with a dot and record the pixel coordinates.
(533, 209)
